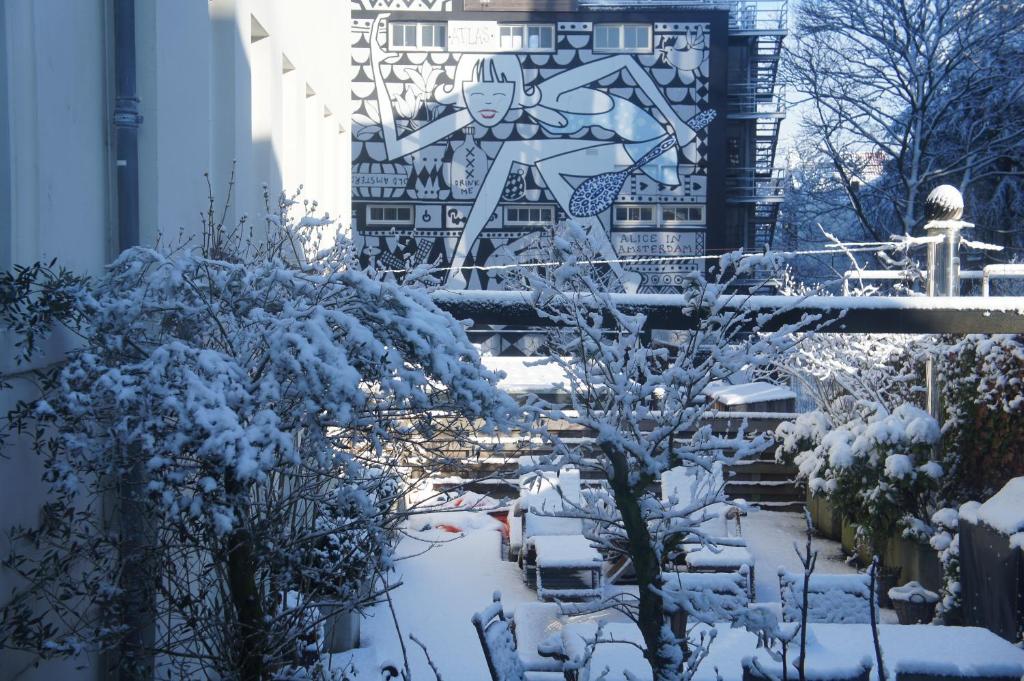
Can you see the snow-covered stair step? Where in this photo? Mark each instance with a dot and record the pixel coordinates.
(760, 469)
(780, 506)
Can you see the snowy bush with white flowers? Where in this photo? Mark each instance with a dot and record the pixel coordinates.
(876, 467)
(224, 451)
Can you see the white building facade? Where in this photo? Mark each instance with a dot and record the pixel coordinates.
(249, 86)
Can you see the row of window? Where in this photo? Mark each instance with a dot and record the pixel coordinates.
(628, 214)
(670, 215)
(407, 35)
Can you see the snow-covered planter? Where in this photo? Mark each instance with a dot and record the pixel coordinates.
(992, 561)
(823, 663)
(913, 603)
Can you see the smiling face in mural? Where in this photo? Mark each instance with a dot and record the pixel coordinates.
(488, 102)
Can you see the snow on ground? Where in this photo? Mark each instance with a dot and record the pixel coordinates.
(770, 536)
(445, 578)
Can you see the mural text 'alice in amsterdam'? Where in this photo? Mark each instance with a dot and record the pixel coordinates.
(489, 88)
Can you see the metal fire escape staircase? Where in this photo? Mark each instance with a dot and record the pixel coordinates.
(761, 102)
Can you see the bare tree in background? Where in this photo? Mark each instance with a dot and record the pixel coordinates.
(901, 95)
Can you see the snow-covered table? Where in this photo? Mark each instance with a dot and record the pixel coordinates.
(910, 652)
(568, 567)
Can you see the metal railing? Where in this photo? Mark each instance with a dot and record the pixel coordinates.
(752, 99)
(986, 275)
(754, 184)
(990, 272)
(753, 16)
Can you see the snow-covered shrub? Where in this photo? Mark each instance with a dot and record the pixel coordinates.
(946, 542)
(983, 394)
(876, 467)
(224, 448)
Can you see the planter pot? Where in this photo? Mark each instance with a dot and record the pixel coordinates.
(914, 612)
(913, 603)
(827, 522)
(341, 629)
(917, 561)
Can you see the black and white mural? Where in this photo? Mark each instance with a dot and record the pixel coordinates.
(471, 137)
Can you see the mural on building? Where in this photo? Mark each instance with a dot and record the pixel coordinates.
(464, 154)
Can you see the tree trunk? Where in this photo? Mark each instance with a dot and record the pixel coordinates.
(648, 570)
(135, 519)
(245, 596)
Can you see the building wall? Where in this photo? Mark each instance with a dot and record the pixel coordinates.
(243, 86)
(459, 174)
(54, 191)
(214, 89)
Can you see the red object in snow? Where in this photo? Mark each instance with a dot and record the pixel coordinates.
(450, 528)
(502, 517)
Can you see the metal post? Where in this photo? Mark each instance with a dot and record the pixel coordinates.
(943, 209)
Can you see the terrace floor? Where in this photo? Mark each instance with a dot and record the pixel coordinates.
(444, 578)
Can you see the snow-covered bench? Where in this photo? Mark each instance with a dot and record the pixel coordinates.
(568, 567)
(710, 597)
(756, 396)
(833, 599)
(724, 559)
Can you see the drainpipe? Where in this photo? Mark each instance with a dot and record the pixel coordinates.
(127, 120)
(135, 661)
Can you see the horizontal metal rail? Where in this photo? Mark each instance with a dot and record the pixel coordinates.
(831, 314)
(989, 272)
(986, 275)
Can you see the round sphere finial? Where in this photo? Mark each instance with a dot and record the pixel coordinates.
(945, 202)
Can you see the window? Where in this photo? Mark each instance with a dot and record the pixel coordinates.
(733, 152)
(634, 214)
(391, 215)
(527, 37)
(543, 215)
(416, 36)
(622, 38)
(682, 215)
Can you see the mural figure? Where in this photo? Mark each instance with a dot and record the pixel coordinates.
(487, 89)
